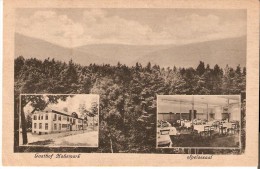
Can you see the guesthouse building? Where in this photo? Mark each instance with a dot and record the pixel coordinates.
(52, 121)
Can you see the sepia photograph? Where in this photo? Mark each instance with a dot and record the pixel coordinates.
(59, 120)
(127, 57)
(202, 121)
(138, 83)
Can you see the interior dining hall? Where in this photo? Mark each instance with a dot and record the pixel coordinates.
(198, 121)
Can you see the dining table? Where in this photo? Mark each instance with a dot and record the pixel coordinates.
(200, 128)
(227, 125)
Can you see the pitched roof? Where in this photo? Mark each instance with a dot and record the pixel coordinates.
(58, 112)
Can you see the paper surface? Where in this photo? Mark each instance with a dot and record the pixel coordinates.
(82, 81)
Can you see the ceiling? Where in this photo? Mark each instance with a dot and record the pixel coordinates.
(200, 100)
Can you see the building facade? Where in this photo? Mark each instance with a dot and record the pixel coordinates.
(51, 121)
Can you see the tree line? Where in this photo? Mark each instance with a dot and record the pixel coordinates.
(127, 93)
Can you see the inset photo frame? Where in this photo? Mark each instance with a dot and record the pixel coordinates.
(200, 121)
(58, 120)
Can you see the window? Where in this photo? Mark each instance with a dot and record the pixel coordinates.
(46, 126)
(59, 126)
(64, 125)
(55, 117)
(46, 117)
(42, 117)
(59, 117)
(55, 126)
(39, 117)
(40, 126)
(35, 117)
(68, 119)
(35, 125)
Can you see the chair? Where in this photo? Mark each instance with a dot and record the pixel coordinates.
(206, 131)
(233, 129)
(195, 134)
(237, 128)
(216, 124)
(222, 130)
(212, 129)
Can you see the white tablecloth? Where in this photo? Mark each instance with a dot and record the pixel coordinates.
(199, 128)
(227, 125)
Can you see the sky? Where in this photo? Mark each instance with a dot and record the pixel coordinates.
(77, 27)
(72, 103)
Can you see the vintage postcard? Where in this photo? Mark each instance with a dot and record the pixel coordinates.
(140, 83)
